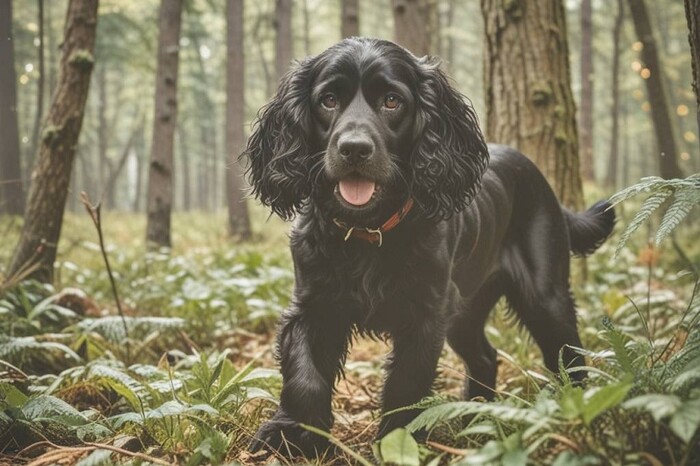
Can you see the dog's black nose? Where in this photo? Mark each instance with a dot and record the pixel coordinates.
(355, 148)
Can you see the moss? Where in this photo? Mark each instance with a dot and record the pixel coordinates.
(513, 8)
(560, 137)
(50, 133)
(82, 59)
(541, 93)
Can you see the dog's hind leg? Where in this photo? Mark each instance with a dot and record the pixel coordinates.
(466, 337)
(538, 291)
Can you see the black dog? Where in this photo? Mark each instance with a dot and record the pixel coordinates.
(403, 230)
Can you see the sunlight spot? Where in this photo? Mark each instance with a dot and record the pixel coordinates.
(645, 73)
(205, 52)
(24, 79)
(37, 42)
(638, 94)
(646, 107)
(184, 41)
(689, 136)
(682, 110)
(28, 67)
(637, 46)
(636, 65)
(33, 27)
(25, 140)
(685, 156)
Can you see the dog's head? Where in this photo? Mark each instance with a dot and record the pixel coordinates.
(359, 129)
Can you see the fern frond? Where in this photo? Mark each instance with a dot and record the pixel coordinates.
(684, 200)
(652, 203)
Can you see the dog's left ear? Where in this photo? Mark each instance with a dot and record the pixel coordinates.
(450, 156)
(278, 152)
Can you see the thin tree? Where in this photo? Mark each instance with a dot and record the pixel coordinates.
(414, 24)
(36, 251)
(238, 218)
(656, 91)
(40, 82)
(349, 18)
(527, 84)
(587, 84)
(692, 15)
(11, 192)
(283, 39)
(613, 160)
(160, 173)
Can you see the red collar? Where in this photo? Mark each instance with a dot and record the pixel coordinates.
(371, 235)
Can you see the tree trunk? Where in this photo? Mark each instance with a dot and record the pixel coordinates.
(238, 218)
(140, 156)
(413, 24)
(613, 161)
(692, 15)
(36, 251)
(11, 192)
(40, 83)
(160, 176)
(350, 18)
(587, 83)
(527, 84)
(658, 98)
(102, 133)
(283, 41)
(186, 168)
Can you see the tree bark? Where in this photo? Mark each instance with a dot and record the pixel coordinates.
(349, 18)
(11, 191)
(613, 160)
(102, 133)
(587, 84)
(527, 84)
(658, 98)
(40, 82)
(238, 218)
(185, 170)
(692, 15)
(283, 41)
(36, 251)
(160, 176)
(413, 24)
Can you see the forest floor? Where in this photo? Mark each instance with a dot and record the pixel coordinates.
(190, 374)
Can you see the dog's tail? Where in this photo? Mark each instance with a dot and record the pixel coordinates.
(589, 229)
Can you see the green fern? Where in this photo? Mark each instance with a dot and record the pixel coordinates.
(685, 194)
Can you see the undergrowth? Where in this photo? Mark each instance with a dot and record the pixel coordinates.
(186, 376)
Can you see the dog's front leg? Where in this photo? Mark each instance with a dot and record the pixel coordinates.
(311, 346)
(410, 371)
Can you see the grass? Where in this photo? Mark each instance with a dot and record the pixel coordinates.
(192, 375)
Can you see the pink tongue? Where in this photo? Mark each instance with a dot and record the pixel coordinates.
(357, 191)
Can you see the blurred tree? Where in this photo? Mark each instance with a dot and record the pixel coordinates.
(652, 73)
(414, 23)
(692, 14)
(527, 80)
(160, 174)
(11, 192)
(349, 18)
(36, 252)
(238, 218)
(283, 40)
(40, 82)
(587, 83)
(613, 159)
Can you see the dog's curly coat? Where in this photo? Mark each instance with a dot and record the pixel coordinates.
(352, 134)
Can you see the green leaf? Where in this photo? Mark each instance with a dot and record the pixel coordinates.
(399, 448)
(12, 395)
(605, 398)
(652, 203)
(658, 405)
(686, 420)
(684, 201)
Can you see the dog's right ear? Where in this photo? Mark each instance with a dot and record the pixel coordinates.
(278, 148)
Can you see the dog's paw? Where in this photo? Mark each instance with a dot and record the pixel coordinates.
(287, 438)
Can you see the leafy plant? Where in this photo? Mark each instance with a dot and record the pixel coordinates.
(685, 194)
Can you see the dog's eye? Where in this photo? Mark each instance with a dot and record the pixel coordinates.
(391, 101)
(329, 101)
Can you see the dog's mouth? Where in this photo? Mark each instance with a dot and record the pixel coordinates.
(357, 191)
